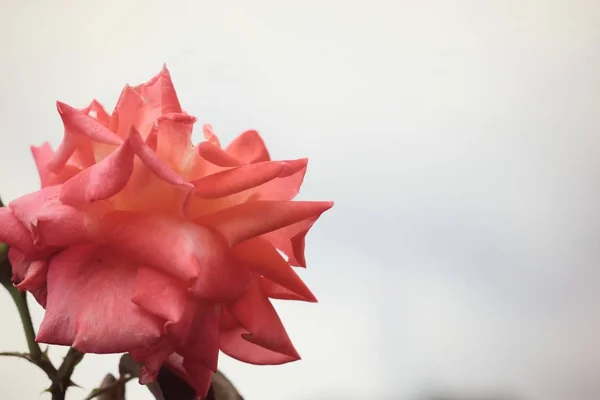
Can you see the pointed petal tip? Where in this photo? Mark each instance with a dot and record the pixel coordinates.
(319, 206)
(44, 145)
(163, 74)
(155, 164)
(246, 220)
(77, 122)
(63, 107)
(46, 335)
(289, 350)
(293, 166)
(101, 181)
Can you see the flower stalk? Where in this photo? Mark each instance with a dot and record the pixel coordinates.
(63, 376)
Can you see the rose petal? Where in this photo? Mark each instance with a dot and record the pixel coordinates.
(217, 156)
(153, 186)
(80, 130)
(35, 278)
(247, 220)
(249, 148)
(29, 275)
(206, 159)
(14, 233)
(154, 163)
(19, 264)
(210, 136)
(67, 150)
(287, 186)
(237, 179)
(262, 258)
(256, 314)
(50, 222)
(127, 112)
(77, 122)
(173, 136)
(221, 281)
(88, 304)
(196, 335)
(193, 253)
(102, 180)
(42, 155)
(59, 225)
(96, 111)
(152, 359)
(160, 294)
(142, 105)
(176, 247)
(291, 240)
(234, 345)
(276, 291)
(27, 207)
(159, 94)
(227, 321)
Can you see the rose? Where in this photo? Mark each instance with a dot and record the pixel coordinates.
(140, 242)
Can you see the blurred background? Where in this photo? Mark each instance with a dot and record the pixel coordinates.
(459, 140)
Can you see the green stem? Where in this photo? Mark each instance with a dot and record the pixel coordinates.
(3, 252)
(63, 377)
(36, 355)
(20, 299)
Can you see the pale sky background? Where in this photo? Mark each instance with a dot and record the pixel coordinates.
(460, 142)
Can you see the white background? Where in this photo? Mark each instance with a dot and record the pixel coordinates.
(460, 142)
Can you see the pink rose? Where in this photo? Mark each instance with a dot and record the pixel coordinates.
(141, 242)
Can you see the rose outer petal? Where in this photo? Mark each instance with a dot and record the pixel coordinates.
(42, 155)
(262, 258)
(185, 251)
(249, 148)
(14, 233)
(89, 304)
(238, 179)
(96, 111)
(291, 240)
(256, 314)
(102, 180)
(160, 294)
(80, 131)
(29, 274)
(250, 219)
(234, 345)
